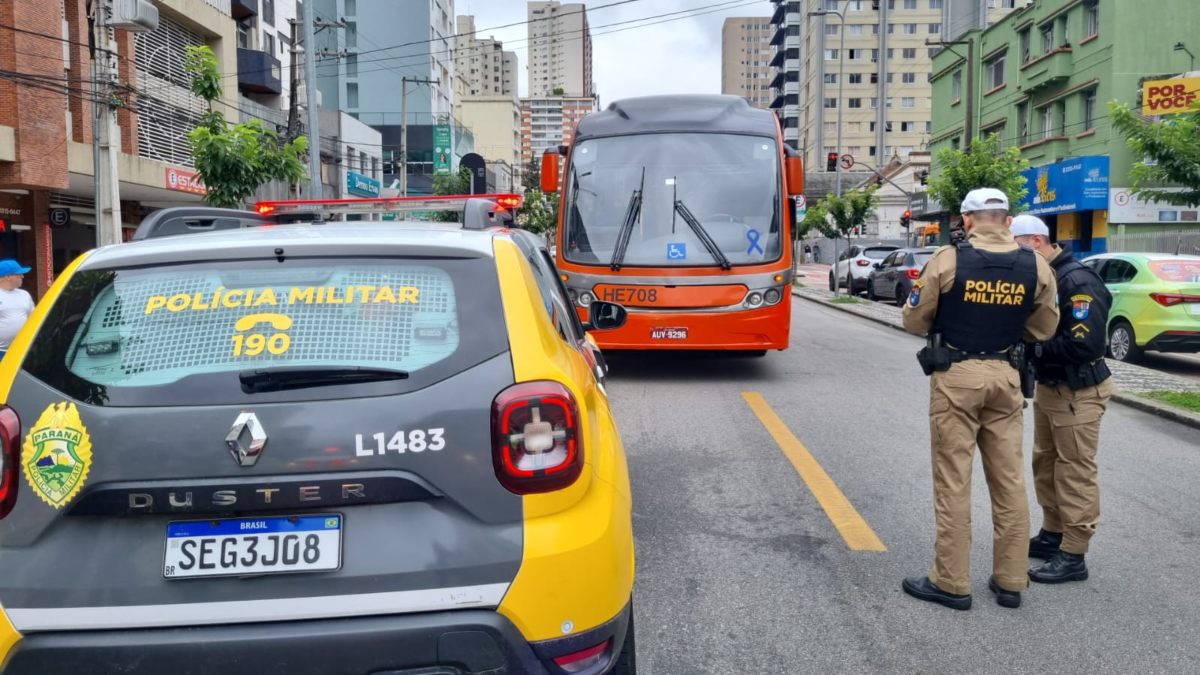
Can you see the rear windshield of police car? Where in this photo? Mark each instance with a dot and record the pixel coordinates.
(186, 334)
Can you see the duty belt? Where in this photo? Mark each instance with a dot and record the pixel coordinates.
(957, 356)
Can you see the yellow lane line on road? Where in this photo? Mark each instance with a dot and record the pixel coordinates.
(858, 535)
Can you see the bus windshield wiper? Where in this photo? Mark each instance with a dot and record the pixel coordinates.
(632, 211)
(702, 235)
(300, 377)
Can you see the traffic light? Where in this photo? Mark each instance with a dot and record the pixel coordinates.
(831, 162)
(924, 176)
(906, 219)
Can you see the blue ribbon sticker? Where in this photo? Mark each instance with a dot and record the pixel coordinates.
(753, 236)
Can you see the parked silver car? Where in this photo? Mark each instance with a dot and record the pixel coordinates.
(892, 278)
(854, 265)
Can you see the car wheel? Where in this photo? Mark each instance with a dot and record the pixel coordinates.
(871, 291)
(832, 283)
(899, 296)
(1122, 343)
(627, 661)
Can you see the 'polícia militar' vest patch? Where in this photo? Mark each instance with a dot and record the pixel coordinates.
(992, 297)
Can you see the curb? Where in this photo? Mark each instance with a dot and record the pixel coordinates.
(1131, 400)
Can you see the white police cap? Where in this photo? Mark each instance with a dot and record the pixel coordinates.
(984, 199)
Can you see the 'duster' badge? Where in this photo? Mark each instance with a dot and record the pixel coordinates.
(57, 454)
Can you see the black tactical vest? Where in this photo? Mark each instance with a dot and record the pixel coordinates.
(992, 297)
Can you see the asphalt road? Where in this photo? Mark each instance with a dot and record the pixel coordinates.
(740, 570)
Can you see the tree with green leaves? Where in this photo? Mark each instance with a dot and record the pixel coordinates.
(986, 164)
(539, 212)
(1171, 144)
(458, 183)
(234, 160)
(814, 219)
(846, 212)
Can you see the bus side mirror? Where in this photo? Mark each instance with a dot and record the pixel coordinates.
(794, 166)
(550, 172)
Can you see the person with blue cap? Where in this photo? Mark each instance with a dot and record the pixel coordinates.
(978, 302)
(15, 304)
(1073, 390)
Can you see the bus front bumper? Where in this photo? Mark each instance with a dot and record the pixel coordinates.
(759, 329)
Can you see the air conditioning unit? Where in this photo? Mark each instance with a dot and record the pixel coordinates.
(136, 16)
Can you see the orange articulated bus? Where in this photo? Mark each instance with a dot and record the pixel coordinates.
(677, 208)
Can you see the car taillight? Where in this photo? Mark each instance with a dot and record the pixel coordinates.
(913, 274)
(535, 438)
(1172, 299)
(862, 263)
(584, 659)
(10, 454)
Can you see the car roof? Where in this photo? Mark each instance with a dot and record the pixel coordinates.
(678, 113)
(306, 239)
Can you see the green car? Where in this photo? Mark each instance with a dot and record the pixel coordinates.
(1156, 302)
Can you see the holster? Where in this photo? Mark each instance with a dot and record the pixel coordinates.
(1087, 374)
(935, 356)
(1019, 359)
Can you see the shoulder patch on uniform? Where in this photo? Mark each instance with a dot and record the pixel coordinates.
(1079, 331)
(1081, 306)
(914, 298)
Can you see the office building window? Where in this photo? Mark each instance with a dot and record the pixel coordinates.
(1047, 121)
(831, 103)
(1025, 46)
(352, 95)
(831, 78)
(268, 44)
(935, 28)
(855, 29)
(1048, 38)
(890, 77)
(994, 72)
(910, 4)
(268, 12)
(1092, 18)
(910, 29)
(910, 53)
(831, 29)
(935, 4)
(908, 102)
(854, 103)
(909, 78)
(350, 7)
(956, 85)
(831, 55)
(907, 127)
(831, 5)
(874, 103)
(855, 78)
(351, 35)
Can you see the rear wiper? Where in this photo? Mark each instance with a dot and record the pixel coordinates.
(300, 377)
(702, 235)
(631, 214)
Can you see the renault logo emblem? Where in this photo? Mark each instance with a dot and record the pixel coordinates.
(246, 439)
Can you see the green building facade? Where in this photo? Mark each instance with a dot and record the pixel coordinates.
(1043, 77)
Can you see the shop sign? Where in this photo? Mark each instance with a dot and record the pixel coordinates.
(1126, 208)
(182, 180)
(1079, 184)
(1169, 97)
(362, 186)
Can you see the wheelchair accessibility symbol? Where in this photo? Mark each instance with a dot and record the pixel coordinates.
(677, 251)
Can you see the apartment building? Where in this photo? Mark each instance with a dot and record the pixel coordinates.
(560, 50)
(864, 69)
(46, 128)
(961, 16)
(746, 55)
(488, 69)
(548, 122)
(1044, 74)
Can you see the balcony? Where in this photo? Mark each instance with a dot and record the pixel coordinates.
(258, 72)
(241, 9)
(1051, 69)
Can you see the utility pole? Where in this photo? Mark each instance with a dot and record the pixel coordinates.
(969, 123)
(307, 16)
(293, 85)
(106, 134)
(404, 128)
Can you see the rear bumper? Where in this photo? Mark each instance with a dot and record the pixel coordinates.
(443, 643)
(1176, 341)
(757, 329)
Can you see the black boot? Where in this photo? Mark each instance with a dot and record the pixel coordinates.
(1045, 545)
(1061, 568)
(1010, 599)
(924, 589)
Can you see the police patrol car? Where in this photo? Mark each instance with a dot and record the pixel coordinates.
(240, 445)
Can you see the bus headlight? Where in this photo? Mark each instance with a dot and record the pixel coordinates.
(772, 296)
(586, 298)
(754, 299)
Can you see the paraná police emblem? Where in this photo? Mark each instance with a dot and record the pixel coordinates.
(914, 298)
(57, 454)
(1080, 306)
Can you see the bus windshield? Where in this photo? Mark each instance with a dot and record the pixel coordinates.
(686, 199)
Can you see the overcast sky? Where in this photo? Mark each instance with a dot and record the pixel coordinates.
(680, 55)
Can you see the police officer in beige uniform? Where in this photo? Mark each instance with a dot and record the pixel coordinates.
(1074, 386)
(977, 301)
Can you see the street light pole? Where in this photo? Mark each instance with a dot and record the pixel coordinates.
(404, 80)
(840, 103)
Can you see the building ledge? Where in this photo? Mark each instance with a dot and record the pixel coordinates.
(995, 89)
(1090, 38)
(1047, 55)
(1089, 132)
(1043, 141)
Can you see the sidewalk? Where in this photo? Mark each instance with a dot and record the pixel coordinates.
(1131, 380)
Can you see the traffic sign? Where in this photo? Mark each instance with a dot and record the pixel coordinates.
(801, 208)
(847, 161)
(60, 217)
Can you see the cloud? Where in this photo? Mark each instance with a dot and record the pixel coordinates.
(682, 54)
